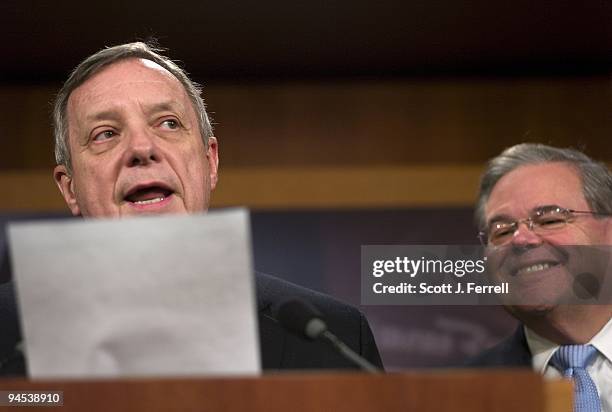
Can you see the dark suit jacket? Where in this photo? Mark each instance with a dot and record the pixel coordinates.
(279, 349)
(511, 352)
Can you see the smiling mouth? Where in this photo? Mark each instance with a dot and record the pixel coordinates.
(148, 195)
(535, 268)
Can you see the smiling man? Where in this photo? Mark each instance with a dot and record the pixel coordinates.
(538, 206)
(132, 137)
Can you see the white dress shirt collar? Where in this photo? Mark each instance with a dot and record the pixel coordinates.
(542, 349)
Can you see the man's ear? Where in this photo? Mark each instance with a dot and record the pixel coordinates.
(212, 153)
(64, 183)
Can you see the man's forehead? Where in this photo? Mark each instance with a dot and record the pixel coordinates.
(131, 70)
(530, 186)
(109, 83)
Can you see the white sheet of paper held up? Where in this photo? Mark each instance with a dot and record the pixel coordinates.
(147, 296)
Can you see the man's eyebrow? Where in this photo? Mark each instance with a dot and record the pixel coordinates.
(163, 106)
(506, 218)
(104, 115)
(113, 114)
(500, 218)
(543, 207)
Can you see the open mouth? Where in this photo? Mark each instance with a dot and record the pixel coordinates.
(535, 268)
(148, 195)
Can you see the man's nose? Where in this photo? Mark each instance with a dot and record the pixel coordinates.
(141, 148)
(525, 236)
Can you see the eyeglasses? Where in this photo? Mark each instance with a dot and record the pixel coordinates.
(542, 221)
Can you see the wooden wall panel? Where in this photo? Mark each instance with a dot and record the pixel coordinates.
(361, 123)
(408, 122)
(290, 188)
(25, 139)
(346, 143)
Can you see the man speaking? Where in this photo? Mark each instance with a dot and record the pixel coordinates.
(132, 137)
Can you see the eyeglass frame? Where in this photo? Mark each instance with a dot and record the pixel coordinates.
(484, 235)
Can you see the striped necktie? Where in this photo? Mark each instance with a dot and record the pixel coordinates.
(572, 360)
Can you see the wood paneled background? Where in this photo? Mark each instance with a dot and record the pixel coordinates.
(346, 105)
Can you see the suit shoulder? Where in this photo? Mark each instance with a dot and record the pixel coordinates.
(346, 321)
(510, 352)
(271, 291)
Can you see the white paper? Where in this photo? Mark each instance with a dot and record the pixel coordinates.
(147, 296)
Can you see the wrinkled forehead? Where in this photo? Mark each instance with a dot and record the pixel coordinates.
(130, 70)
(528, 187)
(125, 85)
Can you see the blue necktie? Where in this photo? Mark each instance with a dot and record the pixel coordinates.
(572, 361)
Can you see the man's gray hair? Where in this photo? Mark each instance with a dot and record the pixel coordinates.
(96, 62)
(596, 177)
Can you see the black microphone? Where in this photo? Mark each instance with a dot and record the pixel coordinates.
(303, 319)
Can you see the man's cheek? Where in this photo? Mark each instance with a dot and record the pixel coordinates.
(495, 263)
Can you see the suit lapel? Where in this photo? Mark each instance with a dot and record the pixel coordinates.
(517, 348)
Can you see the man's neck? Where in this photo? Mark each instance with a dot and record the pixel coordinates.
(568, 324)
